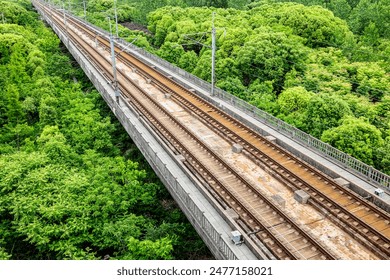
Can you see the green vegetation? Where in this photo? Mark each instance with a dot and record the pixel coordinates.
(72, 184)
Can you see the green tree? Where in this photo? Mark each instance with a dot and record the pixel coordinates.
(340, 8)
(171, 52)
(53, 143)
(99, 5)
(370, 11)
(84, 127)
(355, 137)
(381, 118)
(234, 86)
(293, 103)
(326, 71)
(217, 3)
(259, 59)
(79, 213)
(35, 59)
(372, 80)
(4, 255)
(149, 250)
(262, 96)
(233, 40)
(15, 112)
(324, 111)
(294, 99)
(209, 3)
(383, 156)
(17, 65)
(15, 13)
(14, 135)
(188, 61)
(318, 25)
(361, 107)
(203, 67)
(48, 112)
(371, 35)
(162, 29)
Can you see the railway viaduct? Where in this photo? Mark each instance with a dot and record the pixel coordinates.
(222, 226)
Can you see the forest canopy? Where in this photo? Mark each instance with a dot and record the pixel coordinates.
(322, 66)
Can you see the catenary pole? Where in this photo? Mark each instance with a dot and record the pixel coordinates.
(116, 19)
(213, 50)
(113, 59)
(85, 11)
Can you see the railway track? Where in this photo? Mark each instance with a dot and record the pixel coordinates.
(364, 221)
(278, 232)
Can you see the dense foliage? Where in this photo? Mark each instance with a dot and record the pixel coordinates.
(72, 184)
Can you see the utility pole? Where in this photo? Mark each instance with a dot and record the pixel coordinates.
(66, 26)
(63, 9)
(213, 50)
(85, 11)
(115, 82)
(116, 20)
(2, 16)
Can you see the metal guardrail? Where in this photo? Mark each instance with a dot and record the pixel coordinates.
(352, 164)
